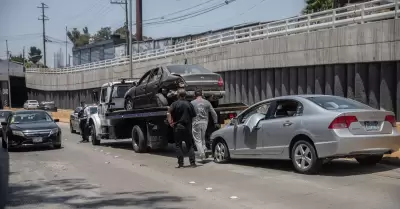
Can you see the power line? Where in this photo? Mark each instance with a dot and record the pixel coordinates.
(190, 15)
(179, 11)
(236, 15)
(85, 11)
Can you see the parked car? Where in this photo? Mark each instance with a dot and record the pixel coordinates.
(48, 105)
(158, 87)
(75, 118)
(308, 130)
(25, 128)
(31, 104)
(3, 117)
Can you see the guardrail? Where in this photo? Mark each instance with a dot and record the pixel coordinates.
(374, 10)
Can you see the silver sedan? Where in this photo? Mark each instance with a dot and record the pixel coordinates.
(308, 130)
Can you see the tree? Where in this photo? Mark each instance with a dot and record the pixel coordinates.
(103, 34)
(121, 31)
(317, 5)
(78, 38)
(35, 54)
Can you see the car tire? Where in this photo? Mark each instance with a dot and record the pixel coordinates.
(139, 142)
(57, 146)
(304, 158)
(215, 103)
(71, 128)
(161, 100)
(129, 103)
(221, 152)
(95, 140)
(369, 160)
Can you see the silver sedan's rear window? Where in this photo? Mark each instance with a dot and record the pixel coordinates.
(337, 103)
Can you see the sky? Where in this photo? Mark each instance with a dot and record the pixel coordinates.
(19, 22)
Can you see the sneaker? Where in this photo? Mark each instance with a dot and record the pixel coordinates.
(193, 165)
(179, 166)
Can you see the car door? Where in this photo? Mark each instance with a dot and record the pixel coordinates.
(104, 99)
(74, 118)
(246, 141)
(140, 91)
(153, 86)
(277, 130)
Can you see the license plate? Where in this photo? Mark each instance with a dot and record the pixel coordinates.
(37, 140)
(371, 125)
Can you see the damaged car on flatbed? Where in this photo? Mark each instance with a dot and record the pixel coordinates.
(158, 86)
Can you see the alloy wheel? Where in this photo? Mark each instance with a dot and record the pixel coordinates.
(303, 156)
(220, 152)
(129, 104)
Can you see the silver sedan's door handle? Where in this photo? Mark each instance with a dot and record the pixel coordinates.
(287, 123)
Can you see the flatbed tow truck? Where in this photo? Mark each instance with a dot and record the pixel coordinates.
(147, 128)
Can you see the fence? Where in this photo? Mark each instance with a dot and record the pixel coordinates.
(354, 14)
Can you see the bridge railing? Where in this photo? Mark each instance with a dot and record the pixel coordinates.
(374, 10)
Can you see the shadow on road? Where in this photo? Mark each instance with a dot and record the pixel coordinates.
(339, 167)
(73, 193)
(32, 149)
(4, 172)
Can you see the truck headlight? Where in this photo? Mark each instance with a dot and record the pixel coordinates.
(18, 133)
(53, 131)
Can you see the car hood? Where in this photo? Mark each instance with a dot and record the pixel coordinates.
(34, 126)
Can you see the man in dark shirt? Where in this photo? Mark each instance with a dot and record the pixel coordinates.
(180, 116)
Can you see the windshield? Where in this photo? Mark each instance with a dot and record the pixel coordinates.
(93, 110)
(337, 103)
(31, 117)
(187, 69)
(119, 91)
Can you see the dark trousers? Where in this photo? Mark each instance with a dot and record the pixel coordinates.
(84, 129)
(183, 134)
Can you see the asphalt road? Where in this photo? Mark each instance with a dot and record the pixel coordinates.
(113, 176)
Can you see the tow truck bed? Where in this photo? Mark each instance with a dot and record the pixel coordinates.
(156, 133)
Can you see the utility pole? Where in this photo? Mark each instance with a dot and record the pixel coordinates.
(43, 18)
(130, 39)
(8, 66)
(125, 2)
(66, 46)
(8, 58)
(139, 26)
(23, 58)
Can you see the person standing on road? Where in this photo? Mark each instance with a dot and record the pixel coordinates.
(203, 108)
(82, 122)
(180, 116)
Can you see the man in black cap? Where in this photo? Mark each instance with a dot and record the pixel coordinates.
(180, 116)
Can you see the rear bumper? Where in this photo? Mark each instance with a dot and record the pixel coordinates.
(211, 95)
(359, 145)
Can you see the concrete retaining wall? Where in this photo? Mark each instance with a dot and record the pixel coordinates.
(359, 43)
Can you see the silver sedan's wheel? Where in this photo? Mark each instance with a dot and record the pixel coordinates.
(304, 158)
(221, 152)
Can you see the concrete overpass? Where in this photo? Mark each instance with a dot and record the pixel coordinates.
(351, 52)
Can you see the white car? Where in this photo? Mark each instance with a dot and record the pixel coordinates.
(31, 104)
